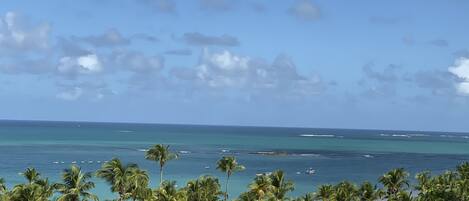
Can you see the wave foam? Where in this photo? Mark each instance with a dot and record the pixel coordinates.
(400, 135)
(125, 131)
(316, 135)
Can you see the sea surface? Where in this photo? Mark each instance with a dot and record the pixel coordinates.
(335, 154)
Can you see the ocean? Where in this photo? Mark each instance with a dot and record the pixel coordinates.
(335, 154)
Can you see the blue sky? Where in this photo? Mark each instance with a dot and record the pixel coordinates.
(340, 64)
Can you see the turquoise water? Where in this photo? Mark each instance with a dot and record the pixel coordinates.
(335, 154)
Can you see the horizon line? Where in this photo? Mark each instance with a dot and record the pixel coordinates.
(223, 125)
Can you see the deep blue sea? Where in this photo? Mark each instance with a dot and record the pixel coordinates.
(335, 154)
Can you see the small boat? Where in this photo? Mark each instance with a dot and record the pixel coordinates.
(207, 167)
(310, 171)
(298, 172)
(264, 174)
(368, 156)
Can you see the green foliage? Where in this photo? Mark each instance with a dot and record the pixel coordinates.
(75, 185)
(369, 192)
(36, 188)
(127, 180)
(169, 192)
(3, 187)
(395, 181)
(261, 187)
(205, 188)
(280, 187)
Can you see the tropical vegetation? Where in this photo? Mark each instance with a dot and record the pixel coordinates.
(129, 182)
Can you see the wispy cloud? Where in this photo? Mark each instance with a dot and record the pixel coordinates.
(305, 10)
(198, 39)
(160, 6)
(216, 5)
(181, 52)
(439, 43)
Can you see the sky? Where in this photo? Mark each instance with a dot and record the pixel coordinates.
(401, 64)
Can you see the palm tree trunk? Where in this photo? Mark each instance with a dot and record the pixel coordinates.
(161, 175)
(226, 186)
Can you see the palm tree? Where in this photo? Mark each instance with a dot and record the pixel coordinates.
(441, 187)
(261, 187)
(116, 174)
(27, 192)
(345, 191)
(36, 189)
(369, 192)
(3, 190)
(3, 187)
(325, 192)
(228, 164)
(306, 197)
(161, 154)
(138, 181)
(280, 186)
(205, 188)
(247, 196)
(403, 196)
(31, 175)
(168, 192)
(463, 170)
(76, 185)
(394, 181)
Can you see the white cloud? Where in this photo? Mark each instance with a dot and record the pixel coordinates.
(226, 60)
(70, 95)
(86, 64)
(226, 70)
(223, 69)
(461, 70)
(17, 35)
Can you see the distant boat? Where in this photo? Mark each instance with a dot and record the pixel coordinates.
(310, 171)
(207, 167)
(264, 174)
